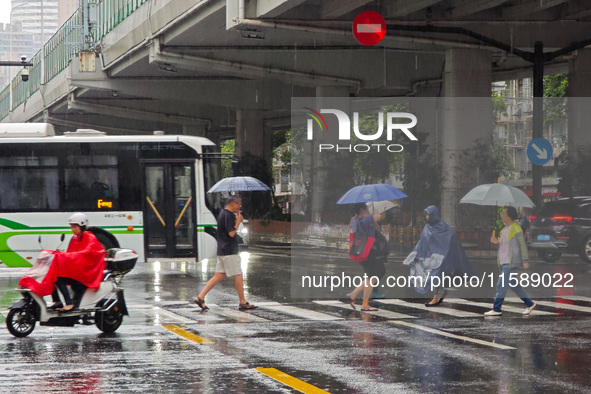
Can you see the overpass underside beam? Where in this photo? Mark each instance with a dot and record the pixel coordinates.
(245, 70)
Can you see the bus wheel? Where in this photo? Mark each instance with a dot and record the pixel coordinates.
(106, 239)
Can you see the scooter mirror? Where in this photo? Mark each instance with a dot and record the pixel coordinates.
(39, 240)
(63, 237)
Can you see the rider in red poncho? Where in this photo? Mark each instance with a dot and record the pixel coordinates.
(81, 266)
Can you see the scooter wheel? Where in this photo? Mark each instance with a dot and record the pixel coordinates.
(108, 321)
(20, 322)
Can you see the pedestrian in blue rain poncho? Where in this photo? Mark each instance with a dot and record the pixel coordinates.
(438, 252)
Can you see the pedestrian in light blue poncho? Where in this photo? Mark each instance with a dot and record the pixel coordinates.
(438, 252)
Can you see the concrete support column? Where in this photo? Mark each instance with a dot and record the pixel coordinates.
(579, 89)
(254, 140)
(468, 73)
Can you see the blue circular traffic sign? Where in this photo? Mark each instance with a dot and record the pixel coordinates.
(539, 151)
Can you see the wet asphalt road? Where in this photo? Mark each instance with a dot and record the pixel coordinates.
(321, 344)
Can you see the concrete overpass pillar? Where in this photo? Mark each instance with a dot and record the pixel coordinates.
(579, 116)
(468, 73)
(253, 144)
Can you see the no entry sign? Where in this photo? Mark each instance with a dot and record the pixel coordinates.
(369, 28)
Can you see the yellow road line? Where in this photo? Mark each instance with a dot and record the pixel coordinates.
(290, 381)
(449, 335)
(185, 334)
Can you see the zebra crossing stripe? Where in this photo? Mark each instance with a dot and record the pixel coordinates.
(454, 336)
(299, 312)
(576, 298)
(437, 309)
(162, 315)
(506, 308)
(557, 305)
(381, 312)
(235, 314)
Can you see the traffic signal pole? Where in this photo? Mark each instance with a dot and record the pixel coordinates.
(538, 118)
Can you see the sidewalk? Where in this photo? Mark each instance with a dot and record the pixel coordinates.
(329, 248)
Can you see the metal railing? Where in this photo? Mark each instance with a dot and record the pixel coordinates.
(58, 51)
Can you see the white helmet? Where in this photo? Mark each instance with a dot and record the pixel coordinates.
(78, 218)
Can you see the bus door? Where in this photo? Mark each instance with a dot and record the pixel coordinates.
(169, 209)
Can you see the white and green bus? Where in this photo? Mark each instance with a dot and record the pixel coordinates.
(146, 192)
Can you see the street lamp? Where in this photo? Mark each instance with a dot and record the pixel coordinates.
(11, 54)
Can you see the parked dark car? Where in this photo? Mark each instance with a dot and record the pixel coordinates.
(562, 226)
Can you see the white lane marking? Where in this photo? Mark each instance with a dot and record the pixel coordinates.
(488, 305)
(436, 309)
(576, 298)
(299, 312)
(556, 305)
(160, 315)
(381, 312)
(449, 335)
(140, 306)
(235, 314)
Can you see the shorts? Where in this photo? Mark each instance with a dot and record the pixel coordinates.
(229, 265)
(374, 267)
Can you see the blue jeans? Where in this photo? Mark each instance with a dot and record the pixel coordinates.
(503, 286)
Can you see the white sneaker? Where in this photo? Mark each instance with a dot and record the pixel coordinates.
(492, 312)
(528, 310)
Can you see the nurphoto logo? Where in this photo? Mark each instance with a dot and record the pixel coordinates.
(344, 130)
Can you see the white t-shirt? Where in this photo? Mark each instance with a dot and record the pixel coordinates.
(504, 258)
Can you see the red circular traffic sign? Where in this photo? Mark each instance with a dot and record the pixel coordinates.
(369, 28)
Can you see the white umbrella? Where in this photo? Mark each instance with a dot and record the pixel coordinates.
(238, 184)
(381, 206)
(497, 194)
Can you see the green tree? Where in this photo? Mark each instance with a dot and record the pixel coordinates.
(228, 147)
(486, 162)
(499, 106)
(422, 181)
(376, 167)
(574, 174)
(555, 87)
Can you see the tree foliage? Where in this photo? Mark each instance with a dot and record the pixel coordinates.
(486, 162)
(499, 106)
(555, 87)
(228, 147)
(574, 174)
(422, 181)
(376, 167)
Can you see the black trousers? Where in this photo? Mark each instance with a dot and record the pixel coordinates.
(62, 284)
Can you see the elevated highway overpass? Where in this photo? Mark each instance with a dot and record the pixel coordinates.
(229, 68)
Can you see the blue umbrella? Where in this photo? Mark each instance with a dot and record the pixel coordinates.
(239, 184)
(375, 192)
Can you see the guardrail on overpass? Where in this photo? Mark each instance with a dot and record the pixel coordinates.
(59, 50)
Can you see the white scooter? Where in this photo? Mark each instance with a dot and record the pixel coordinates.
(104, 307)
